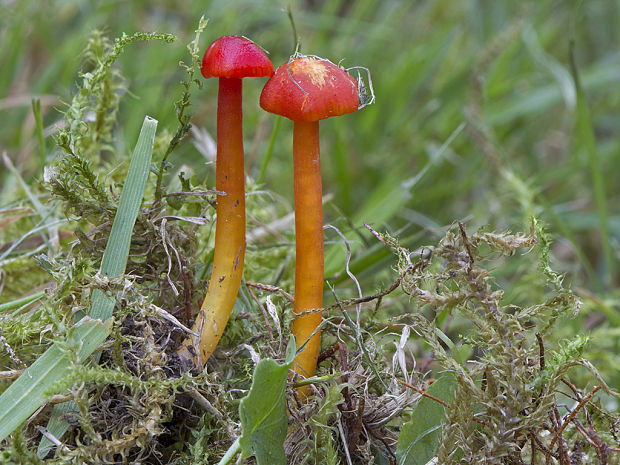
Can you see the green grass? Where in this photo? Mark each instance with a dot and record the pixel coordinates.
(479, 117)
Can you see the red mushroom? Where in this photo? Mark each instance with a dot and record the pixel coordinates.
(229, 58)
(306, 90)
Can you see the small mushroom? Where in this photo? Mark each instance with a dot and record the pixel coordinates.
(306, 90)
(229, 58)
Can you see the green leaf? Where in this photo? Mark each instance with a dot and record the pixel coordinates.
(419, 438)
(263, 412)
(461, 353)
(32, 389)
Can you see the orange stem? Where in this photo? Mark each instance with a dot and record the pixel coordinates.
(309, 245)
(229, 228)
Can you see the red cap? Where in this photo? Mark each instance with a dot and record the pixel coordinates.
(235, 57)
(310, 89)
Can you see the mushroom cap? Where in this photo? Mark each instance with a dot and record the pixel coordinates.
(310, 89)
(235, 57)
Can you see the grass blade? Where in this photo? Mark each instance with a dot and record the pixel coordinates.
(269, 152)
(33, 387)
(114, 257)
(586, 131)
(38, 118)
(29, 299)
(116, 253)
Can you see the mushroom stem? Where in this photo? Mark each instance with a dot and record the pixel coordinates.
(309, 245)
(230, 225)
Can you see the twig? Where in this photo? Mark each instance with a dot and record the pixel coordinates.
(541, 349)
(204, 403)
(267, 287)
(601, 447)
(262, 308)
(206, 193)
(45, 432)
(59, 398)
(613, 420)
(612, 426)
(208, 406)
(342, 350)
(467, 245)
(167, 316)
(379, 295)
(583, 432)
(549, 453)
(349, 302)
(326, 353)
(562, 449)
(392, 457)
(570, 417)
(425, 394)
(390, 243)
(10, 374)
(437, 399)
(357, 425)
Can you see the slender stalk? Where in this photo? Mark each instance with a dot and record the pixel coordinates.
(309, 245)
(229, 248)
(230, 453)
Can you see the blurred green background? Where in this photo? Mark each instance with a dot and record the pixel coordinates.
(477, 116)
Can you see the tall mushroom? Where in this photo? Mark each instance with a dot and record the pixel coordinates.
(306, 90)
(229, 58)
